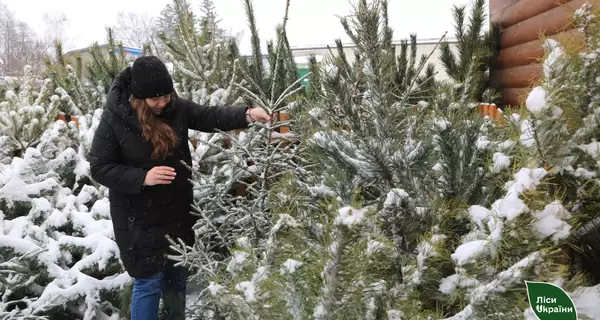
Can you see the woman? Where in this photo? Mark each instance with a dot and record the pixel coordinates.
(137, 153)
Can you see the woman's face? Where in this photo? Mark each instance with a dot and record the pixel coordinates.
(157, 104)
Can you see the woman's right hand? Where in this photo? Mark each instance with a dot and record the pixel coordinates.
(159, 175)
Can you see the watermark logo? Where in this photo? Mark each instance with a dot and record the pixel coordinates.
(550, 302)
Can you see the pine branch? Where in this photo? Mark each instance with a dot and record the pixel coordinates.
(280, 55)
(258, 65)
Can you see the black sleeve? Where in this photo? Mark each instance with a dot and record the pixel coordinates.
(106, 165)
(207, 118)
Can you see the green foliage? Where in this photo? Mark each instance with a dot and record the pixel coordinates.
(414, 77)
(363, 100)
(469, 66)
(209, 20)
(455, 196)
(203, 63)
(314, 78)
(77, 95)
(283, 281)
(253, 161)
(106, 63)
(255, 67)
(273, 86)
(564, 134)
(28, 110)
(375, 56)
(458, 136)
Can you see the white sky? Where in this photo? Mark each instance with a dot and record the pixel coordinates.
(311, 22)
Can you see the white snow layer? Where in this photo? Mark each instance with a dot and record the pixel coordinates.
(550, 222)
(290, 266)
(349, 216)
(536, 101)
(395, 197)
(508, 208)
(500, 162)
(25, 235)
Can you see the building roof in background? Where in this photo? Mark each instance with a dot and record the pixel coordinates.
(350, 44)
(126, 48)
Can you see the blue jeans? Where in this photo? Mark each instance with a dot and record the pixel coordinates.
(170, 284)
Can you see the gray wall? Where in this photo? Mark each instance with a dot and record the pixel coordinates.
(301, 54)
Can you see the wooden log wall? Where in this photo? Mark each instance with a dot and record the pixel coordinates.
(524, 26)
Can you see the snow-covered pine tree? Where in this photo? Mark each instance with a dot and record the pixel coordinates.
(81, 99)
(335, 270)
(209, 19)
(468, 251)
(462, 172)
(78, 96)
(519, 234)
(57, 253)
(279, 72)
(28, 107)
(321, 226)
(582, 70)
(106, 62)
(252, 163)
(166, 26)
(416, 78)
(204, 71)
(468, 66)
(203, 66)
(416, 164)
(233, 200)
(367, 136)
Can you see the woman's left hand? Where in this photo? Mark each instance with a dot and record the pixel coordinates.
(258, 114)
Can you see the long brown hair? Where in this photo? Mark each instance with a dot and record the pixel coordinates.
(154, 129)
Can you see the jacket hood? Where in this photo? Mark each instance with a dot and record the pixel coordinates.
(117, 100)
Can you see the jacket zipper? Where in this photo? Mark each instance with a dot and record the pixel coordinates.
(131, 225)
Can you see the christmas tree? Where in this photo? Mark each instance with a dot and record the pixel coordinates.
(167, 24)
(28, 106)
(57, 253)
(209, 19)
(106, 63)
(234, 172)
(468, 68)
(79, 97)
(323, 221)
(203, 66)
(426, 210)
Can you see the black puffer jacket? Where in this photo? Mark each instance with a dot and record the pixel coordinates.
(120, 158)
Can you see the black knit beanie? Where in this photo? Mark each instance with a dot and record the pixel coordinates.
(150, 78)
